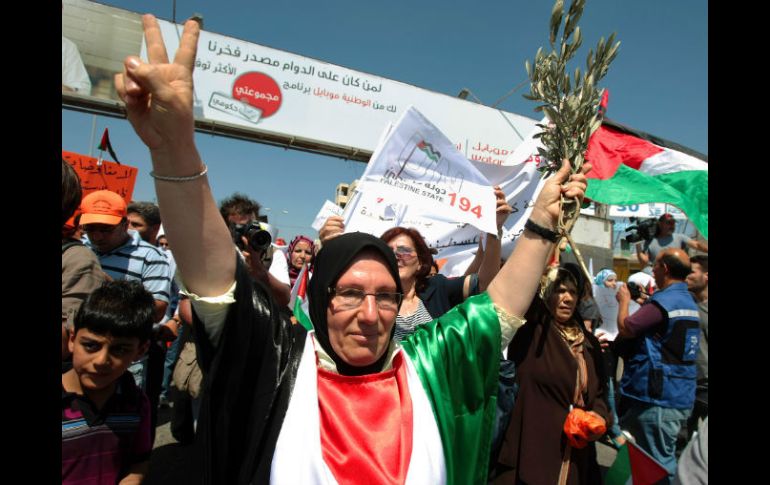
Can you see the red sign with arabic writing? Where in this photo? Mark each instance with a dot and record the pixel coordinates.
(110, 175)
(258, 90)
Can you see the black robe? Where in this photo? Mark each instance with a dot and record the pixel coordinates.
(249, 377)
(248, 380)
(546, 370)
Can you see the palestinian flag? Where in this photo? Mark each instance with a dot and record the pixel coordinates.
(632, 167)
(106, 145)
(298, 300)
(633, 466)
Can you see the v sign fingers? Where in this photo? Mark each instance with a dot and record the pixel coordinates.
(159, 95)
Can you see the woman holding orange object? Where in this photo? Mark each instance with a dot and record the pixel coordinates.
(562, 385)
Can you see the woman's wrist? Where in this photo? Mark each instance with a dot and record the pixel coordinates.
(542, 218)
(541, 231)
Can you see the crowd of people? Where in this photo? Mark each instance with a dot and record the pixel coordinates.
(402, 376)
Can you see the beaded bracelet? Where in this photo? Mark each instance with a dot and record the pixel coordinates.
(541, 231)
(168, 178)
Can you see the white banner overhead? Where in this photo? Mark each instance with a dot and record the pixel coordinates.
(283, 94)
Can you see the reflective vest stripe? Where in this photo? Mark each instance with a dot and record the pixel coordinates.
(683, 313)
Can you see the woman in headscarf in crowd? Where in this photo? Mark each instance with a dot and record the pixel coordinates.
(606, 277)
(560, 373)
(605, 288)
(587, 307)
(300, 251)
(606, 334)
(343, 403)
(427, 298)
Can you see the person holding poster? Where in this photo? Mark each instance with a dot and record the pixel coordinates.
(427, 298)
(361, 407)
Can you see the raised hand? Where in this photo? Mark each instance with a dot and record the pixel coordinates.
(548, 203)
(503, 209)
(158, 94)
(333, 227)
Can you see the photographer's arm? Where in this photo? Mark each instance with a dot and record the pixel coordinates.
(641, 255)
(281, 291)
(158, 97)
(698, 245)
(624, 297)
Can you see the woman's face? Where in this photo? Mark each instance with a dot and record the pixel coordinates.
(302, 252)
(611, 282)
(563, 302)
(361, 334)
(406, 255)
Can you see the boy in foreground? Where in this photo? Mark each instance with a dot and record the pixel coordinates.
(105, 416)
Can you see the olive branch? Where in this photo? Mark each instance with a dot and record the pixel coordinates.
(570, 104)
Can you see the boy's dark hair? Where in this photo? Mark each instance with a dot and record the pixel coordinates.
(118, 308)
(702, 260)
(239, 204)
(147, 210)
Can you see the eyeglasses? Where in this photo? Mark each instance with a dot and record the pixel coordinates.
(351, 298)
(102, 228)
(404, 253)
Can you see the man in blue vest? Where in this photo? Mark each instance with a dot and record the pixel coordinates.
(659, 372)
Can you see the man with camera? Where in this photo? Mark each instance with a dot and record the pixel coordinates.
(665, 238)
(659, 374)
(254, 242)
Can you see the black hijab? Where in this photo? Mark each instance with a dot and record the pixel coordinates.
(333, 259)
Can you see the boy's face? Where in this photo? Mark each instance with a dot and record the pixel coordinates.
(99, 360)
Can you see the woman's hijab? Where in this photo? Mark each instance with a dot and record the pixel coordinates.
(331, 262)
(602, 276)
(294, 272)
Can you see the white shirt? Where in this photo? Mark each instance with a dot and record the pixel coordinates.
(280, 267)
(73, 72)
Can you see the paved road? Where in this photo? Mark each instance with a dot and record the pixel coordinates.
(172, 463)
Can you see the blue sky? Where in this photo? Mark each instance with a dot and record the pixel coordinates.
(658, 82)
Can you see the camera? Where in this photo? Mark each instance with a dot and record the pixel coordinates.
(643, 230)
(255, 233)
(635, 289)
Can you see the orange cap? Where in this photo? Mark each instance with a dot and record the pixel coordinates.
(102, 207)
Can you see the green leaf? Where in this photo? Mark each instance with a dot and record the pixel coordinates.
(552, 114)
(578, 39)
(576, 10)
(556, 15)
